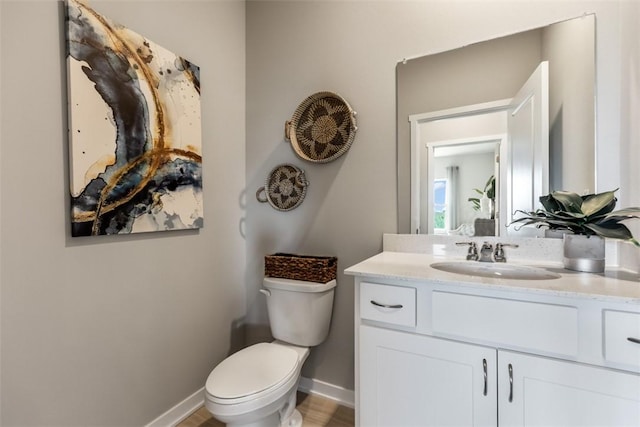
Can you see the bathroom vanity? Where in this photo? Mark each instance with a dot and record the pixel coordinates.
(437, 348)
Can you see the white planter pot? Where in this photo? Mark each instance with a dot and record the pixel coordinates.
(584, 253)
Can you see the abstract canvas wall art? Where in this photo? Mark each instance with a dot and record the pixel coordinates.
(134, 130)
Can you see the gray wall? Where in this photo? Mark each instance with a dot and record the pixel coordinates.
(297, 48)
(115, 330)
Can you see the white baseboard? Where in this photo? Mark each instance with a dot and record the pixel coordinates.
(181, 411)
(342, 395)
(308, 385)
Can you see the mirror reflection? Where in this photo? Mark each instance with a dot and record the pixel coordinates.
(464, 174)
(463, 168)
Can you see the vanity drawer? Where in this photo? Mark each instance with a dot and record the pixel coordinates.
(542, 327)
(622, 337)
(390, 304)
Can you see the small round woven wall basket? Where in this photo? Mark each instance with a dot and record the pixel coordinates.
(284, 188)
(322, 128)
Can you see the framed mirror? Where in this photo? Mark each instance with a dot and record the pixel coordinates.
(454, 90)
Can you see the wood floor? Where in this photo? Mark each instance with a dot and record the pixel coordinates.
(316, 412)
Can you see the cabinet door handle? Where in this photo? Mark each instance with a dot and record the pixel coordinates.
(484, 369)
(634, 340)
(510, 383)
(377, 304)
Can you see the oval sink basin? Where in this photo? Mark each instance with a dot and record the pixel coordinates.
(495, 270)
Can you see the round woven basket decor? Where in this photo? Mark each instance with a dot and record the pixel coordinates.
(322, 127)
(285, 187)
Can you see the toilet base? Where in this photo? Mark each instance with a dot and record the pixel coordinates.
(286, 416)
(272, 420)
(294, 420)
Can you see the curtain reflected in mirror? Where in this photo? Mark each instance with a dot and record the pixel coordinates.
(452, 195)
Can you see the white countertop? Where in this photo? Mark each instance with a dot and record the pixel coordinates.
(613, 285)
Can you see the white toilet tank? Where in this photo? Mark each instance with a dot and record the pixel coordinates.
(299, 311)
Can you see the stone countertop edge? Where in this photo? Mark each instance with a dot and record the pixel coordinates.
(615, 285)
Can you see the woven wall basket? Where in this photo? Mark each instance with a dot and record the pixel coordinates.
(320, 269)
(284, 188)
(322, 128)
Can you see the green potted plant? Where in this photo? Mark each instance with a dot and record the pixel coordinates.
(489, 192)
(586, 221)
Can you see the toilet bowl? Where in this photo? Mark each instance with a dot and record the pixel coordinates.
(257, 386)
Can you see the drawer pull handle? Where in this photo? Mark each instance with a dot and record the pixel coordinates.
(484, 369)
(634, 340)
(377, 304)
(510, 383)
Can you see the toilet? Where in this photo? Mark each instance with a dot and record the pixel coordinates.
(256, 387)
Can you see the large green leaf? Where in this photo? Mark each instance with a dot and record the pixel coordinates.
(604, 211)
(549, 203)
(619, 232)
(569, 216)
(571, 202)
(490, 187)
(628, 213)
(601, 203)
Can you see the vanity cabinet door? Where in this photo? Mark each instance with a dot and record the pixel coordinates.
(539, 391)
(416, 380)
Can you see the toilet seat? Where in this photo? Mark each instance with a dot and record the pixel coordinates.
(252, 373)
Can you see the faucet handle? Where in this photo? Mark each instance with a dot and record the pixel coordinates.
(472, 254)
(498, 255)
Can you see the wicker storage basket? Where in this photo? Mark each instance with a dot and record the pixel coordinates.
(320, 269)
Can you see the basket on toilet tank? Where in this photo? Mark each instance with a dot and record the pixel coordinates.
(299, 311)
(320, 269)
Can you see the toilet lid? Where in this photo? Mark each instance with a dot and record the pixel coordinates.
(252, 370)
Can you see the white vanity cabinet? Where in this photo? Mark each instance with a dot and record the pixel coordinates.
(417, 380)
(539, 391)
(438, 354)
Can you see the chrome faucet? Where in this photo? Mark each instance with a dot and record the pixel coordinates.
(472, 254)
(486, 252)
(498, 255)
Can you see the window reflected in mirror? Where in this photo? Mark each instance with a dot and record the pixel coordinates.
(440, 205)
